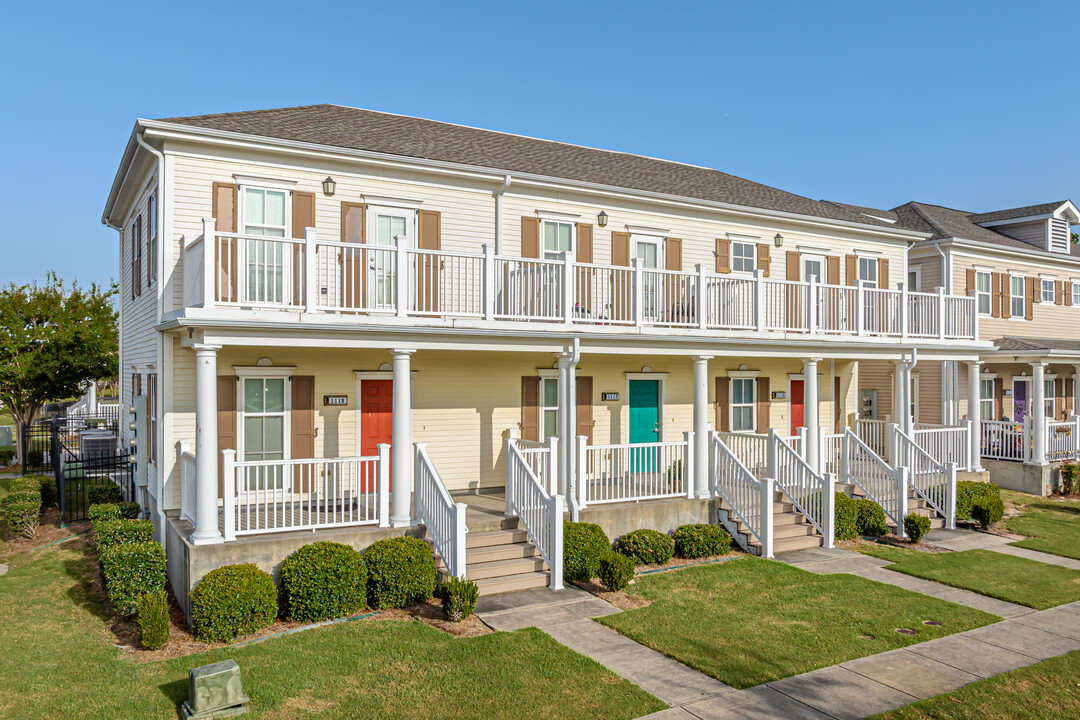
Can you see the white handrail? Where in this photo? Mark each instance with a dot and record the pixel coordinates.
(543, 458)
(750, 499)
(187, 481)
(443, 518)
(751, 449)
(933, 481)
(631, 472)
(944, 443)
(875, 477)
(540, 513)
(812, 494)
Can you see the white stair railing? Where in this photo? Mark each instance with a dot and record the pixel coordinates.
(944, 443)
(933, 481)
(751, 449)
(540, 513)
(443, 518)
(812, 494)
(750, 499)
(867, 470)
(543, 458)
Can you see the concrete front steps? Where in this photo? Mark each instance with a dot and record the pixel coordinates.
(791, 529)
(501, 561)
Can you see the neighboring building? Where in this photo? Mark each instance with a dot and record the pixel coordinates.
(305, 286)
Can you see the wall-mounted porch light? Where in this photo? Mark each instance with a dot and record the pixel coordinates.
(601, 219)
(778, 240)
(329, 186)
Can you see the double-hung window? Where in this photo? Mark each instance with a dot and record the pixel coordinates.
(265, 407)
(868, 271)
(1075, 289)
(1017, 303)
(549, 407)
(986, 399)
(743, 257)
(914, 279)
(558, 238)
(982, 292)
(1047, 287)
(265, 213)
(743, 405)
(1048, 398)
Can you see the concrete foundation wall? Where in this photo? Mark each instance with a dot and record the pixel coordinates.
(1034, 479)
(662, 515)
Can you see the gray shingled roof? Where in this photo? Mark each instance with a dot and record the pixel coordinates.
(353, 128)
(862, 210)
(1024, 344)
(1010, 214)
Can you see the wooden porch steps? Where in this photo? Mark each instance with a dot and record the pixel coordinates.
(791, 530)
(502, 560)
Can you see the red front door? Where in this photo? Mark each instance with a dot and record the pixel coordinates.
(797, 415)
(376, 420)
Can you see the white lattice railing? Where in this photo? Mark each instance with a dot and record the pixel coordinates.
(933, 481)
(267, 496)
(187, 481)
(1063, 440)
(635, 471)
(751, 449)
(944, 444)
(750, 499)
(443, 518)
(540, 513)
(868, 471)
(812, 494)
(1003, 440)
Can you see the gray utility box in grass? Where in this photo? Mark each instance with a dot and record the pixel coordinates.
(214, 691)
(7, 435)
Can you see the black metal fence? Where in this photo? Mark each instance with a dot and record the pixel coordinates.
(75, 478)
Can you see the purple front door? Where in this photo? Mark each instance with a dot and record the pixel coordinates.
(1020, 401)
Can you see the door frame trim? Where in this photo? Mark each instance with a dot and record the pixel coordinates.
(661, 389)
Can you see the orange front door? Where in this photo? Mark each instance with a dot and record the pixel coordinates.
(797, 413)
(376, 420)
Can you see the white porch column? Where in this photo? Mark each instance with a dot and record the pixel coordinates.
(701, 425)
(1076, 390)
(974, 414)
(1038, 413)
(811, 414)
(206, 449)
(401, 448)
(567, 420)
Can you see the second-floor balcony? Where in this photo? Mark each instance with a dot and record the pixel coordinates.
(231, 270)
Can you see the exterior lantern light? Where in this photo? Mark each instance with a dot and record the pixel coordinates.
(601, 219)
(778, 240)
(328, 186)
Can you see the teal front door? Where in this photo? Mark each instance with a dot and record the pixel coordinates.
(644, 422)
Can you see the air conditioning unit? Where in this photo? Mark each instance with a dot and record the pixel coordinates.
(96, 444)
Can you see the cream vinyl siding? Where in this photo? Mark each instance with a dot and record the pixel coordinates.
(878, 375)
(929, 274)
(1034, 233)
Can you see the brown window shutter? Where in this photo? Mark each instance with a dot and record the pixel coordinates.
(672, 254)
(1029, 297)
(837, 405)
(723, 255)
(852, 268)
(723, 403)
(134, 261)
(530, 237)
(883, 274)
(1059, 399)
(429, 267)
(1059, 287)
(763, 399)
(832, 264)
(1066, 292)
(429, 233)
(352, 222)
(226, 422)
(303, 216)
(997, 299)
(584, 407)
(353, 279)
(620, 249)
(303, 427)
(530, 408)
(225, 221)
(763, 258)
(584, 243)
(792, 262)
(969, 276)
(999, 398)
(584, 254)
(138, 255)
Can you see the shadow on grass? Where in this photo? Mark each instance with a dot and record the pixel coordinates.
(175, 692)
(88, 591)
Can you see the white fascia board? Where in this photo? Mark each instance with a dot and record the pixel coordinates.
(1016, 221)
(970, 248)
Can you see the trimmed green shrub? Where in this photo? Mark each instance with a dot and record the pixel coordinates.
(1068, 475)
(232, 600)
(42, 484)
(646, 546)
(987, 511)
(7, 455)
(847, 518)
(131, 570)
(107, 493)
(130, 510)
(458, 598)
(583, 544)
(916, 526)
(48, 491)
(968, 491)
(153, 619)
(321, 581)
(26, 482)
(23, 510)
(615, 570)
(117, 532)
(34, 458)
(104, 512)
(698, 541)
(871, 518)
(400, 572)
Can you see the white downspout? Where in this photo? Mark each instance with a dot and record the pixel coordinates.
(946, 271)
(498, 213)
(906, 366)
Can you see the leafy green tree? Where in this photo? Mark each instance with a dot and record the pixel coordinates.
(53, 339)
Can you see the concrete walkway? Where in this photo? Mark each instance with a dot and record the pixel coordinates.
(970, 540)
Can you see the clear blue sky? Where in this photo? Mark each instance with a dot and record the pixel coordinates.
(971, 105)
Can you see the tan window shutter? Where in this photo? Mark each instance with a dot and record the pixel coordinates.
(428, 237)
(832, 264)
(883, 274)
(353, 279)
(1059, 286)
(997, 301)
(852, 263)
(225, 221)
(138, 255)
(999, 398)
(970, 281)
(303, 426)
(1029, 297)
(1066, 292)
(1059, 399)
(837, 405)
(763, 258)
(723, 255)
(303, 216)
(584, 407)
(584, 252)
(530, 237)
(763, 401)
(226, 422)
(530, 408)
(620, 249)
(672, 254)
(723, 402)
(429, 233)
(792, 262)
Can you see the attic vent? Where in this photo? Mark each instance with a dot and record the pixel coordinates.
(1059, 235)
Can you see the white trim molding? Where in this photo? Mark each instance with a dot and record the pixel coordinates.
(264, 182)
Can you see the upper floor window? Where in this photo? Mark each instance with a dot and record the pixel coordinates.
(1016, 296)
(868, 270)
(1076, 294)
(1047, 285)
(982, 292)
(743, 405)
(152, 235)
(914, 279)
(743, 257)
(265, 212)
(558, 238)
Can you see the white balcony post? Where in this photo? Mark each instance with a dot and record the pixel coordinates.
(209, 266)
(828, 509)
(1076, 390)
(310, 295)
(402, 289)
(905, 311)
(555, 479)
(812, 306)
(581, 477)
(771, 453)
(701, 427)
(702, 297)
(228, 504)
(568, 287)
(845, 456)
(759, 301)
(557, 508)
(891, 444)
(384, 484)
(940, 312)
(639, 291)
(402, 439)
(950, 496)
(508, 485)
(860, 308)
(975, 415)
(689, 466)
(458, 545)
(975, 316)
(206, 449)
(489, 282)
(901, 499)
(1038, 413)
(1026, 441)
(765, 505)
(812, 414)
(800, 440)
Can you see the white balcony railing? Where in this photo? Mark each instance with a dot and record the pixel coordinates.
(540, 512)
(310, 275)
(634, 472)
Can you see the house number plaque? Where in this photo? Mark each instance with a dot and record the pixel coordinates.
(609, 396)
(335, 400)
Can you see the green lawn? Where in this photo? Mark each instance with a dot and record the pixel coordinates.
(1016, 580)
(751, 621)
(58, 661)
(1051, 525)
(1044, 691)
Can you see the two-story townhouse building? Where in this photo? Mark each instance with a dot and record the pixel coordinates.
(360, 324)
(1023, 270)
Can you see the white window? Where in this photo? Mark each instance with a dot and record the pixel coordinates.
(914, 279)
(868, 270)
(743, 257)
(743, 405)
(986, 399)
(1048, 398)
(1017, 304)
(982, 292)
(813, 267)
(1076, 294)
(558, 238)
(1047, 285)
(264, 415)
(549, 407)
(265, 212)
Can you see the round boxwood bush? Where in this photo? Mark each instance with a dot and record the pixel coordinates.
(871, 520)
(615, 570)
(583, 545)
(458, 598)
(130, 510)
(232, 600)
(105, 512)
(916, 526)
(970, 491)
(646, 546)
(107, 493)
(847, 518)
(400, 572)
(23, 510)
(117, 532)
(323, 580)
(131, 570)
(698, 541)
(987, 511)
(153, 619)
